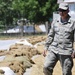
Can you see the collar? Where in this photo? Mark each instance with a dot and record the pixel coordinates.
(69, 20)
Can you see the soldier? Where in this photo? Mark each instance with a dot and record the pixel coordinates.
(59, 43)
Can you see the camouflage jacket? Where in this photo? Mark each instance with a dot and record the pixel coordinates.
(61, 37)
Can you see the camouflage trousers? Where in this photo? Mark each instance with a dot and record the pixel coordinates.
(66, 62)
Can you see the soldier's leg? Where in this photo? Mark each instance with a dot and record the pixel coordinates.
(50, 62)
(67, 64)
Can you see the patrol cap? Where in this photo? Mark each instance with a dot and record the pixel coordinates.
(63, 6)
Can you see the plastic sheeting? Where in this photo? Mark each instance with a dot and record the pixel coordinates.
(7, 71)
(5, 44)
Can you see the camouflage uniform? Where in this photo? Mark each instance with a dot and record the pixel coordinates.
(60, 46)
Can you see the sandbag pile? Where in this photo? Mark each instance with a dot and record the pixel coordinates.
(35, 39)
(18, 58)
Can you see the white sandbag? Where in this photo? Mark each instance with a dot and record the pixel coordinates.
(24, 42)
(7, 71)
(2, 58)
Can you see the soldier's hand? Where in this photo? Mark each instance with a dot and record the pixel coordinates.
(44, 53)
(73, 54)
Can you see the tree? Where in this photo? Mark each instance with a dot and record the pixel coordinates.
(46, 8)
(6, 11)
(34, 10)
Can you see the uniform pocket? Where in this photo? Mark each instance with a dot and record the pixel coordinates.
(54, 44)
(68, 30)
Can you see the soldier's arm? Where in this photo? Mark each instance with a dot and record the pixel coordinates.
(73, 54)
(50, 37)
(74, 37)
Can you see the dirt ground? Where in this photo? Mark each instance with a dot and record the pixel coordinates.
(18, 58)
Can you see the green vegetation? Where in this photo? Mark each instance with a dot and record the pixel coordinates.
(33, 10)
